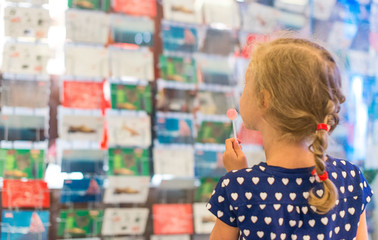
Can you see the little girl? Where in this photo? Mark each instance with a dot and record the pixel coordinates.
(292, 96)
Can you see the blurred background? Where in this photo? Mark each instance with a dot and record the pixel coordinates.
(113, 112)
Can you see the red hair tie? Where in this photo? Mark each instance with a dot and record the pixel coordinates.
(322, 126)
(322, 177)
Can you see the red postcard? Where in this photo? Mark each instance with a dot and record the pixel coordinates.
(136, 7)
(25, 194)
(84, 95)
(173, 218)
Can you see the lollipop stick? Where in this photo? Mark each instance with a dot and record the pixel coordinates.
(234, 127)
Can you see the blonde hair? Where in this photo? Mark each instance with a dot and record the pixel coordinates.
(304, 84)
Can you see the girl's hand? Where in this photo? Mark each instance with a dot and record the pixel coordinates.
(233, 157)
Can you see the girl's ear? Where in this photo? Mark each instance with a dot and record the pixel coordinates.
(265, 99)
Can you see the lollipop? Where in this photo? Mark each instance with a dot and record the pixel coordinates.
(232, 115)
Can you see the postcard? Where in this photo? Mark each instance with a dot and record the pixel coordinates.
(129, 131)
(172, 218)
(209, 163)
(26, 22)
(23, 128)
(25, 194)
(79, 223)
(87, 61)
(206, 188)
(174, 130)
(102, 5)
(127, 189)
(139, 62)
(179, 38)
(124, 221)
(83, 160)
(22, 163)
(82, 191)
(81, 127)
(25, 93)
(18, 225)
(178, 69)
(214, 132)
(25, 58)
(135, 7)
(131, 97)
(222, 11)
(183, 10)
(260, 18)
(129, 161)
(85, 95)
(215, 103)
(176, 161)
(215, 70)
(134, 30)
(87, 26)
(175, 100)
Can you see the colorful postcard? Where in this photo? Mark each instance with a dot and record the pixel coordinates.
(139, 62)
(87, 61)
(215, 103)
(183, 10)
(181, 39)
(214, 132)
(87, 26)
(25, 58)
(209, 163)
(80, 223)
(82, 191)
(206, 188)
(21, 163)
(125, 221)
(172, 218)
(171, 130)
(175, 100)
(102, 5)
(131, 97)
(174, 161)
(215, 70)
(204, 220)
(222, 11)
(18, 225)
(135, 7)
(129, 131)
(134, 30)
(81, 128)
(170, 237)
(25, 93)
(83, 160)
(129, 161)
(178, 69)
(22, 128)
(84, 95)
(26, 22)
(127, 189)
(25, 194)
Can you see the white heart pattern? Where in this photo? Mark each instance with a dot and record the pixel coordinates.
(306, 237)
(305, 210)
(311, 222)
(254, 219)
(278, 196)
(290, 208)
(280, 221)
(343, 162)
(262, 168)
(342, 189)
(350, 188)
(208, 206)
(334, 217)
(299, 181)
(220, 214)
(293, 237)
(334, 175)
(337, 229)
(268, 220)
(347, 227)
(344, 174)
(324, 220)
(283, 236)
(262, 206)
(241, 218)
(240, 180)
(320, 192)
(220, 199)
(353, 173)
(246, 232)
(351, 211)
(292, 223)
(342, 213)
(226, 181)
(306, 195)
(249, 205)
(234, 196)
(300, 223)
(273, 236)
(232, 219)
(260, 234)
(320, 236)
(263, 195)
(255, 180)
(277, 206)
(270, 180)
(292, 196)
(248, 195)
(285, 181)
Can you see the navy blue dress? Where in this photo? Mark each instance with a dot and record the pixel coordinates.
(267, 202)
